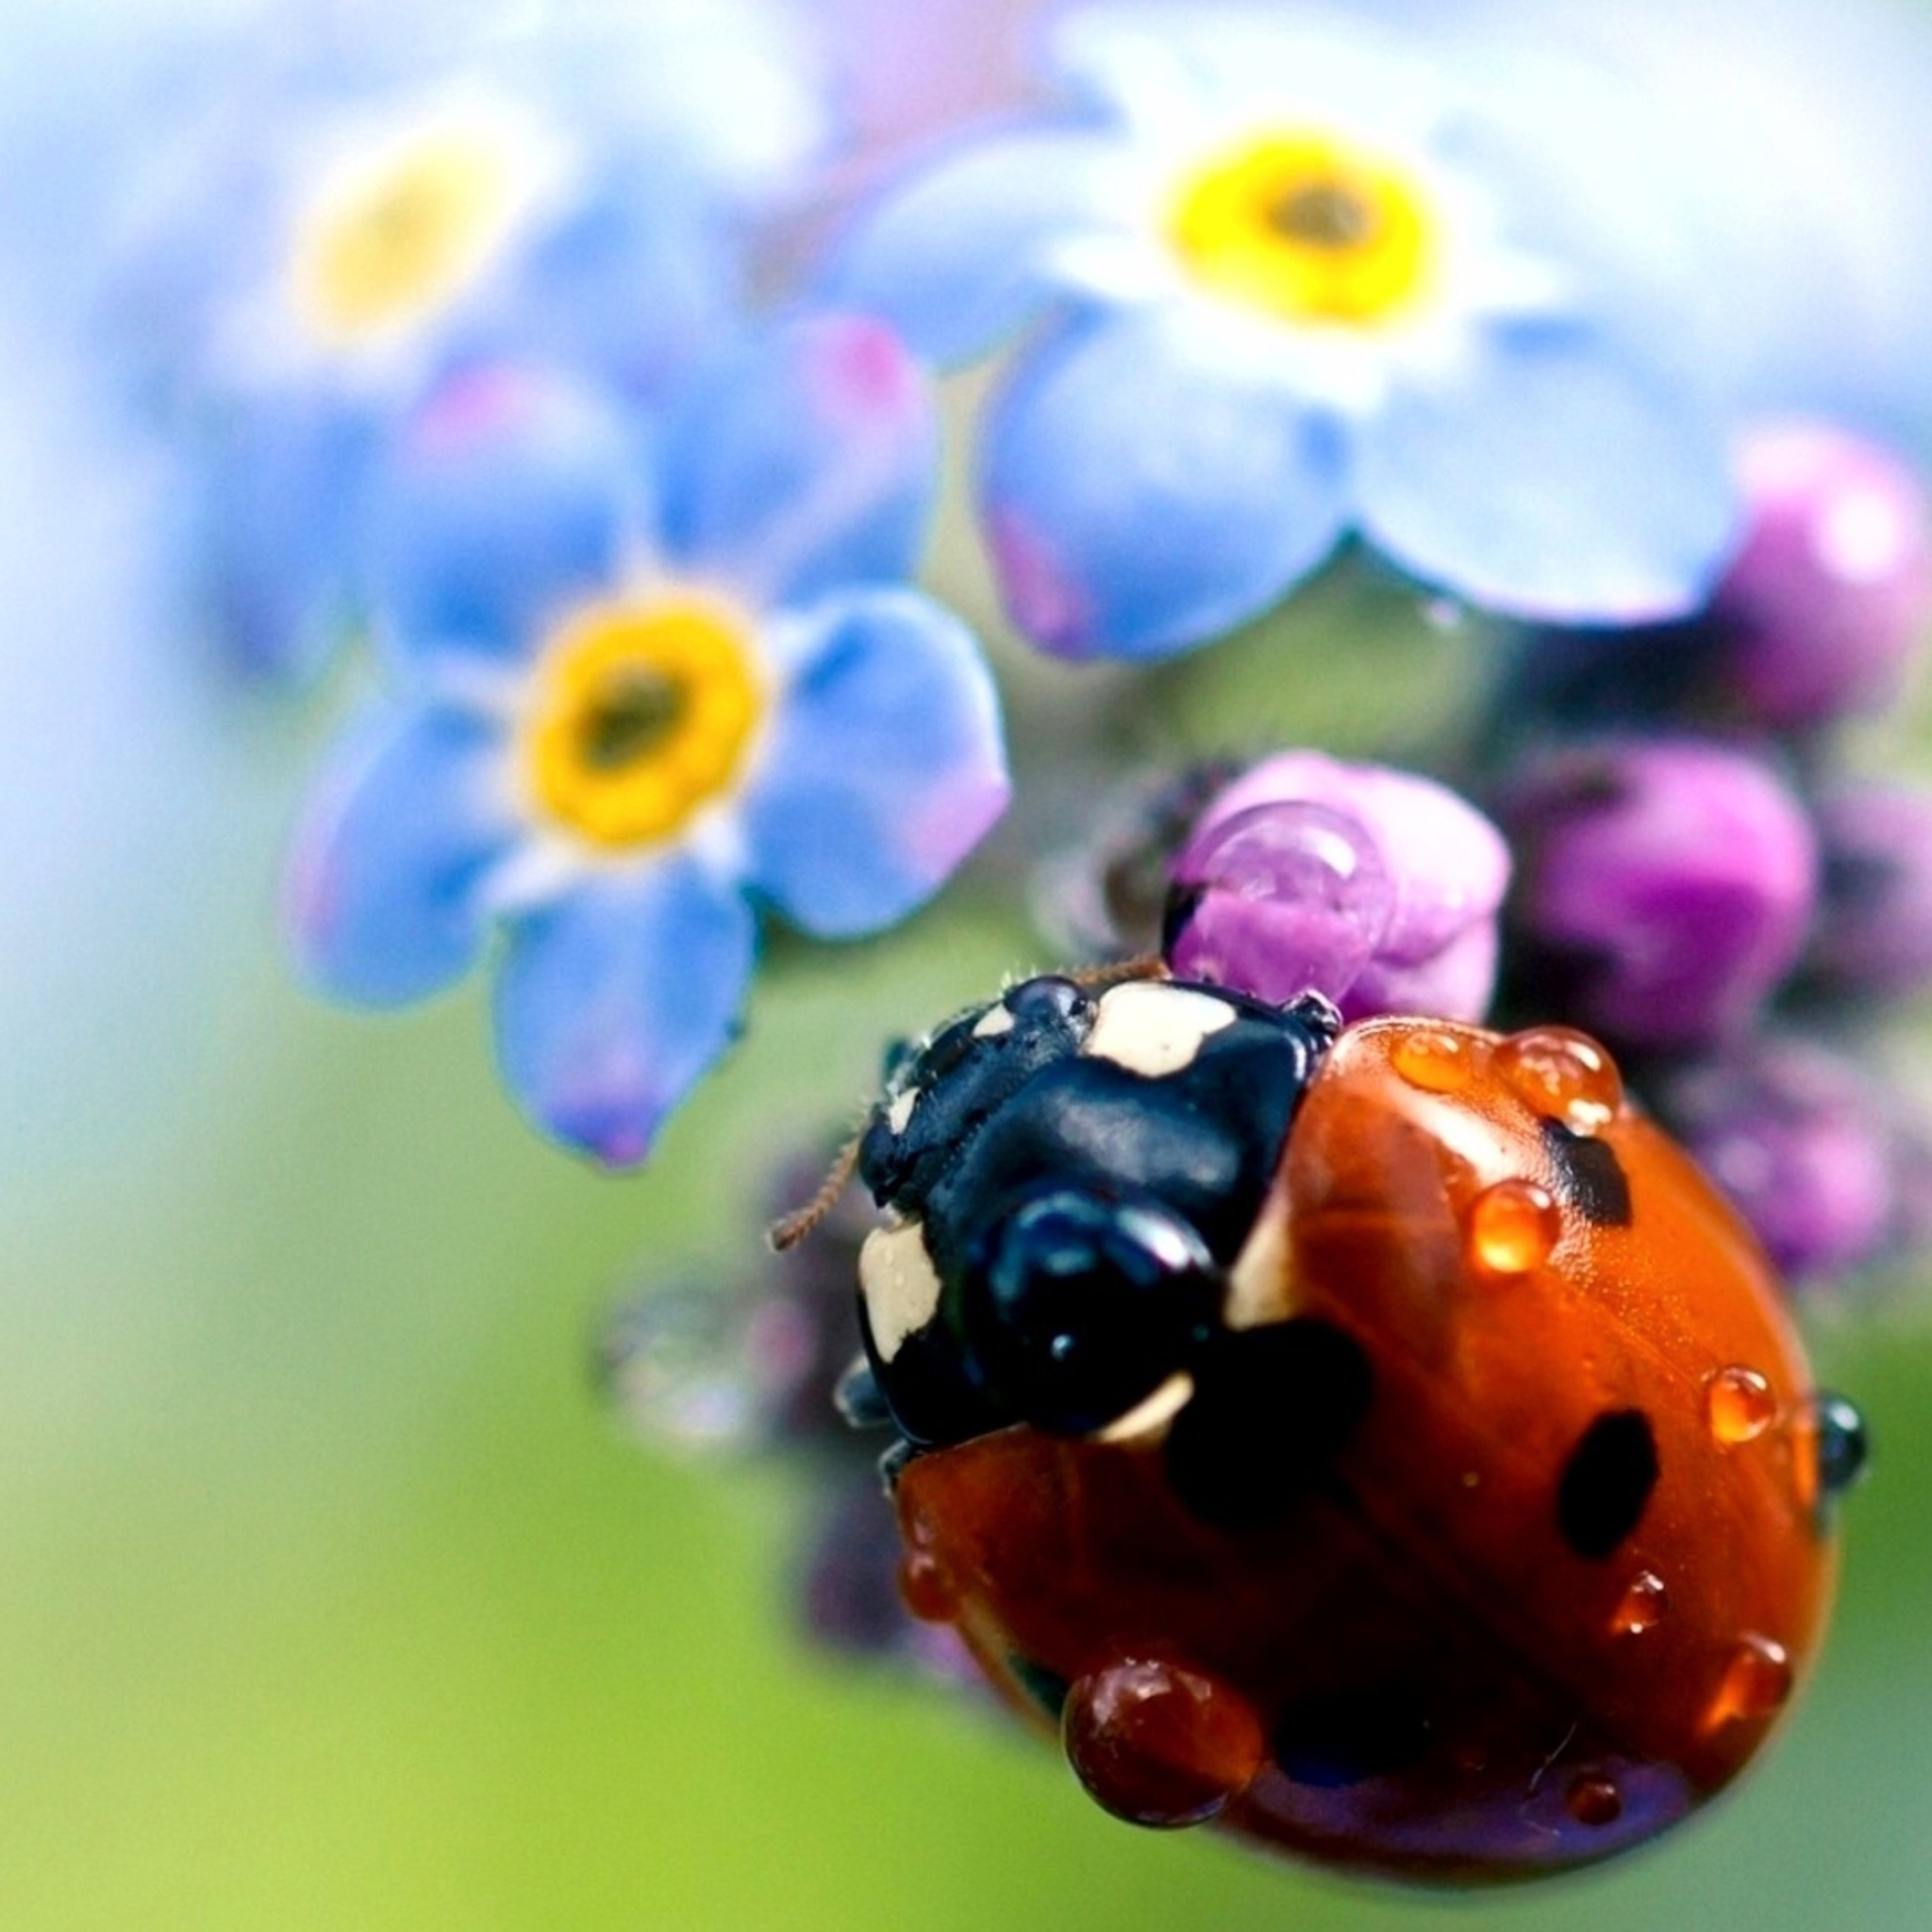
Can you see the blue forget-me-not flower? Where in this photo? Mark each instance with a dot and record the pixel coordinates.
(1296, 282)
(339, 240)
(637, 691)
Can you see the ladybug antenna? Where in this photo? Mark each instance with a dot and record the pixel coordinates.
(1118, 972)
(787, 1233)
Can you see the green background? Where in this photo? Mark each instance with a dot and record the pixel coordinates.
(331, 1597)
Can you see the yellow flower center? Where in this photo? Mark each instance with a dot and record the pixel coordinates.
(1310, 228)
(398, 241)
(644, 711)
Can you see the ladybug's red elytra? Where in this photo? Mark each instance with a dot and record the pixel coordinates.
(1384, 1442)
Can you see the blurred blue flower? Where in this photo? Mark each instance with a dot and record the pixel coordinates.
(637, 688)
(1300, 282)
(344, 235)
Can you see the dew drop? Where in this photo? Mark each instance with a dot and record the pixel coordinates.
(1841, 1440)
(927, 1592)
(1739, 1405)
(1433, 1060)
(1593, 1800)
(1512, 1228)
(1756, 1683)
(1642, 1606)
(1161, 1743)
(1279, 900)
(1563, 1075)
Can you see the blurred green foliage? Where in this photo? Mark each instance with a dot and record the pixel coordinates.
(332, 1600)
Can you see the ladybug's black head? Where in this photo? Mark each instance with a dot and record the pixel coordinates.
(1065, 1177)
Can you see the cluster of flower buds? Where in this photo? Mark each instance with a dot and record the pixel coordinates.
(1696, 876)
(1705, 883)
(753, 1368)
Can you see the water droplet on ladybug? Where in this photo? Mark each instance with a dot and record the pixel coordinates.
(1161, 1743)
(1739, 1405)
(1563, 1075)
(1843, 1443)
(1434, 1060)
(1513, 1228)
(1642, 1606)
(1756, 1683)
(1593, 1800)
(923, 1586)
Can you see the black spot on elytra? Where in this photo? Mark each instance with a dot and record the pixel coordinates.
(1331, 1743)
(1590, 1175)
(1047, 1689)
(1271, 1408)
(1606, 1483)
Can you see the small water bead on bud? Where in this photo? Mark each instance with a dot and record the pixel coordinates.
(1562, 1075)
(1446, 867)
(1873, 934)
(1279, 900)
(1739, 1405)
(1512, 1228)
(1161, 1743)
(1757, 1683)
(1667, 886)
(1831, 592)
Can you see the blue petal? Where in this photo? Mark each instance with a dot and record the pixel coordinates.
(634, 287)
(802, 462)
(284, 495)
(885, 766)
(513, 493)
(381, 898)
(1231, 64)
(1553, 480)
(1141, 496)
(956, 258)
(614, 1000)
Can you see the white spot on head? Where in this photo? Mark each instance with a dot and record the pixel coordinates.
(994, 1021)
(900, 1113)
(1155, 1029)
(901, 1290)
(1261, 1284)
(1150, 1417)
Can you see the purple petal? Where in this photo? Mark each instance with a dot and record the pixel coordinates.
(885, 766)
(804, 461)
(381, 898)
(612, 1001)
(1667, 886)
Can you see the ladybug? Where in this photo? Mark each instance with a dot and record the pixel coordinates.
(1380, 1441)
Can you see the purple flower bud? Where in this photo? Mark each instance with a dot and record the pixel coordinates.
(1832, 590)
(847, 1593)
(1812, 1149)
(1874, 936)
(1375, 887)
(1665, 886)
